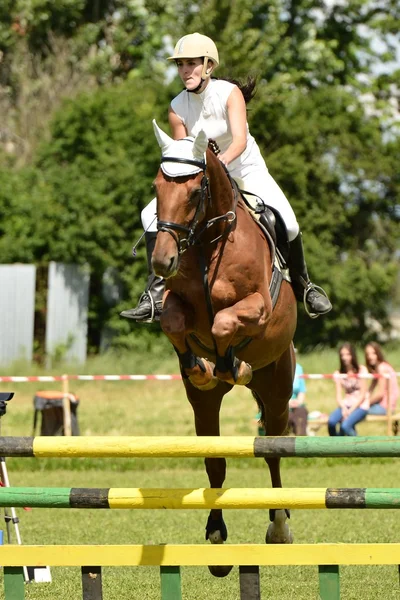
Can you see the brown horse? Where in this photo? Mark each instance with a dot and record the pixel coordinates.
(217, 304)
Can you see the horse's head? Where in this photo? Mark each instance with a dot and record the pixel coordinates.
(182, 197)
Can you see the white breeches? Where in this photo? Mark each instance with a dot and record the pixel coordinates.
(262, 184)
(258, 182)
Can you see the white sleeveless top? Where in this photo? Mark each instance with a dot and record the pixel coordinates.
(208, 111)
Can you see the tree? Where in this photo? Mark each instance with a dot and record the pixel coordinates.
(324, 116)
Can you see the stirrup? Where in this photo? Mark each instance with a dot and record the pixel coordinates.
(312, 286)
(153, 317)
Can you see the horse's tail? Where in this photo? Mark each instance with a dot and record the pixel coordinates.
(261, 408)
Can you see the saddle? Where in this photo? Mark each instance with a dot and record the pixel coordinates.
(275, 231)
(273, 227)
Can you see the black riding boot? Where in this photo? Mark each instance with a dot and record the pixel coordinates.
(316, 302)
(150, 302)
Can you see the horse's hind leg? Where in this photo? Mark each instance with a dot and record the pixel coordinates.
(206, 407)
(272, 387)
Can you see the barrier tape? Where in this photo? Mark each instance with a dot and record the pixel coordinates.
(48, 379)
(51, 378)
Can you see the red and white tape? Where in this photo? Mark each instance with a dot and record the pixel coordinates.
(51, 378)
(345, 376)
(48, 378)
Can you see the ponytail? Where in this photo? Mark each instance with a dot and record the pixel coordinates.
(248, 87)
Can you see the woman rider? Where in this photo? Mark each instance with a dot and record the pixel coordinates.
(219, 108)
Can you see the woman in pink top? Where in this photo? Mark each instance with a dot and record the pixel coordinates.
(374, 400)
(350, 392)
(378, 392)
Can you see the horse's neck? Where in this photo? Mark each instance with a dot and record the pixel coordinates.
(221, 191)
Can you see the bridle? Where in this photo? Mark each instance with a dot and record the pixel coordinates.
(192, 236)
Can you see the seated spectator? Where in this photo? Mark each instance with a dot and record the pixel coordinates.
(377, 395)
(350, 394)
(298, 412)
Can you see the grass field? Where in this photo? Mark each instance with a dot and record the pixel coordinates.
(160, 408)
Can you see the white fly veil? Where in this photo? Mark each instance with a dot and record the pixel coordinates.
(188, 148)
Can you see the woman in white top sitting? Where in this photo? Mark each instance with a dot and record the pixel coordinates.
(218, 107)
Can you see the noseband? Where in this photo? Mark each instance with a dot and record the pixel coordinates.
(175, 229)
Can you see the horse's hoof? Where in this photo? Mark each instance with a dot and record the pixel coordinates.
(278, 531)
(208, 386)
(205, 381)
(220, 571)
(245, 374)
(217, 533)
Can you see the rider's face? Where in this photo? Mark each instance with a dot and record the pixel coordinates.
(189, 70)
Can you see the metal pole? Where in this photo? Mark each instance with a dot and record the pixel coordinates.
(13, 518)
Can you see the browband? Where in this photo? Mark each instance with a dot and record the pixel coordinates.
(196, 163)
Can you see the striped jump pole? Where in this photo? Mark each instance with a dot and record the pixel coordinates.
(205, 446)
(170, 557)
(201, 498)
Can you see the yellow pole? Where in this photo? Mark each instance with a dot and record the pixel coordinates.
(201, 555)
(66, 407)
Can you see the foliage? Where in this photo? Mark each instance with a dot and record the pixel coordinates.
(324, 116)
(99, 166)
(333, 164)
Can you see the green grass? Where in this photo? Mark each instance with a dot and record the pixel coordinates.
(161, 408)
(60, 526)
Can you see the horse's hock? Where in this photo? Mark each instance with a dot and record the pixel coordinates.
(170, 557)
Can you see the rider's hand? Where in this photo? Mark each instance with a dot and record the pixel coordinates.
(224, 159)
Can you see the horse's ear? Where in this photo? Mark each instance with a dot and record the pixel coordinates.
(200, 145)
(163, 139)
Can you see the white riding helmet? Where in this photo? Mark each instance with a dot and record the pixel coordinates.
(196, 45)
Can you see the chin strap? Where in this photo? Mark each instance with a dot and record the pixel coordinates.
(197, 88)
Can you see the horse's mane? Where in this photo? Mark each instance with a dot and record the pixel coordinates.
(213, 146)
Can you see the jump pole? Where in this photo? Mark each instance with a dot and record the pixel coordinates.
(204, 446)
(170, 557)
(202, 498)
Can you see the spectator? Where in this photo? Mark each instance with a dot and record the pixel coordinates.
(298, 412)
(378, 391)
(350, 394)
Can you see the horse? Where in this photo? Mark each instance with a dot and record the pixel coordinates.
(217, 307)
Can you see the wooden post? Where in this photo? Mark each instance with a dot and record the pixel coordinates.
(66, 407)
(389, 407)
(14, 586)
(91, 583)
(329, 583)
(170, 583)
(249, 580)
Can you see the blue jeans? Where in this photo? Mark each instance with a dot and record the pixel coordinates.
(376, 409)
(347, 427)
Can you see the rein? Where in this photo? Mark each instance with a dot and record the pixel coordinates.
(191, 237)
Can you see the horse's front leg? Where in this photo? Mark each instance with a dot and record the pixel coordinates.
(247, 318)
(176, 322)
(206, 407)
(272, 387)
